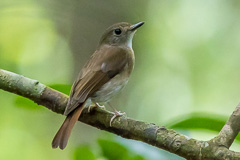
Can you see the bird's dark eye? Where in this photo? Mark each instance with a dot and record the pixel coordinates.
(117, 31)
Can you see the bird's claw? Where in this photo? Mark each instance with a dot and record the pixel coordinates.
(116, 114)
(89, 108)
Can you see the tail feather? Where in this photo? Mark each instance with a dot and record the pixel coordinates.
(57, 138)
(61, 138)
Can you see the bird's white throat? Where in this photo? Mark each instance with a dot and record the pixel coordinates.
(129, 42)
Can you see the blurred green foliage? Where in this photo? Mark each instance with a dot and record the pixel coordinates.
(25, 103)
(199, 121)
(113, 150)
(186, 74)
(64, 88)
(83, 153)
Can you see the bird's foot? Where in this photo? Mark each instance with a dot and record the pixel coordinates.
(100, 106)
(89, 107)
(95, 105)
(116, 114)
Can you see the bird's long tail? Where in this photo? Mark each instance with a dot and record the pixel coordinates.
(61, 138)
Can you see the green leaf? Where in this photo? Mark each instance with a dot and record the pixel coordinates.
(199, 121)
(26, 103)
(64, 88)
(112, 150)
(83, 153)
(115, 151)
(137, 157)
(206, 121)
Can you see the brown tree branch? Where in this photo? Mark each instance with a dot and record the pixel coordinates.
(230, 129)
(161, 137)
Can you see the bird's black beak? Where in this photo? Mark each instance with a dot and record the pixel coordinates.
(135, 26)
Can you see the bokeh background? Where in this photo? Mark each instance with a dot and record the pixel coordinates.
(186, 75)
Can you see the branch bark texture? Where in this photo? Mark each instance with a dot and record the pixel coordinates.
(161, 137)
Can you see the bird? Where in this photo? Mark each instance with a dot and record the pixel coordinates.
(105, 74)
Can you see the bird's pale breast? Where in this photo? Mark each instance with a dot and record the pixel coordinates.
(108, 90)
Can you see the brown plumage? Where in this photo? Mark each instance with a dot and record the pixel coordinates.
(102, 77)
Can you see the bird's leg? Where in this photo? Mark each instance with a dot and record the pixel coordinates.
(95, 105)
(89, 107)
(116, 114)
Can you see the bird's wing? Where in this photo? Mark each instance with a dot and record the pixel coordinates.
(103, 65)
